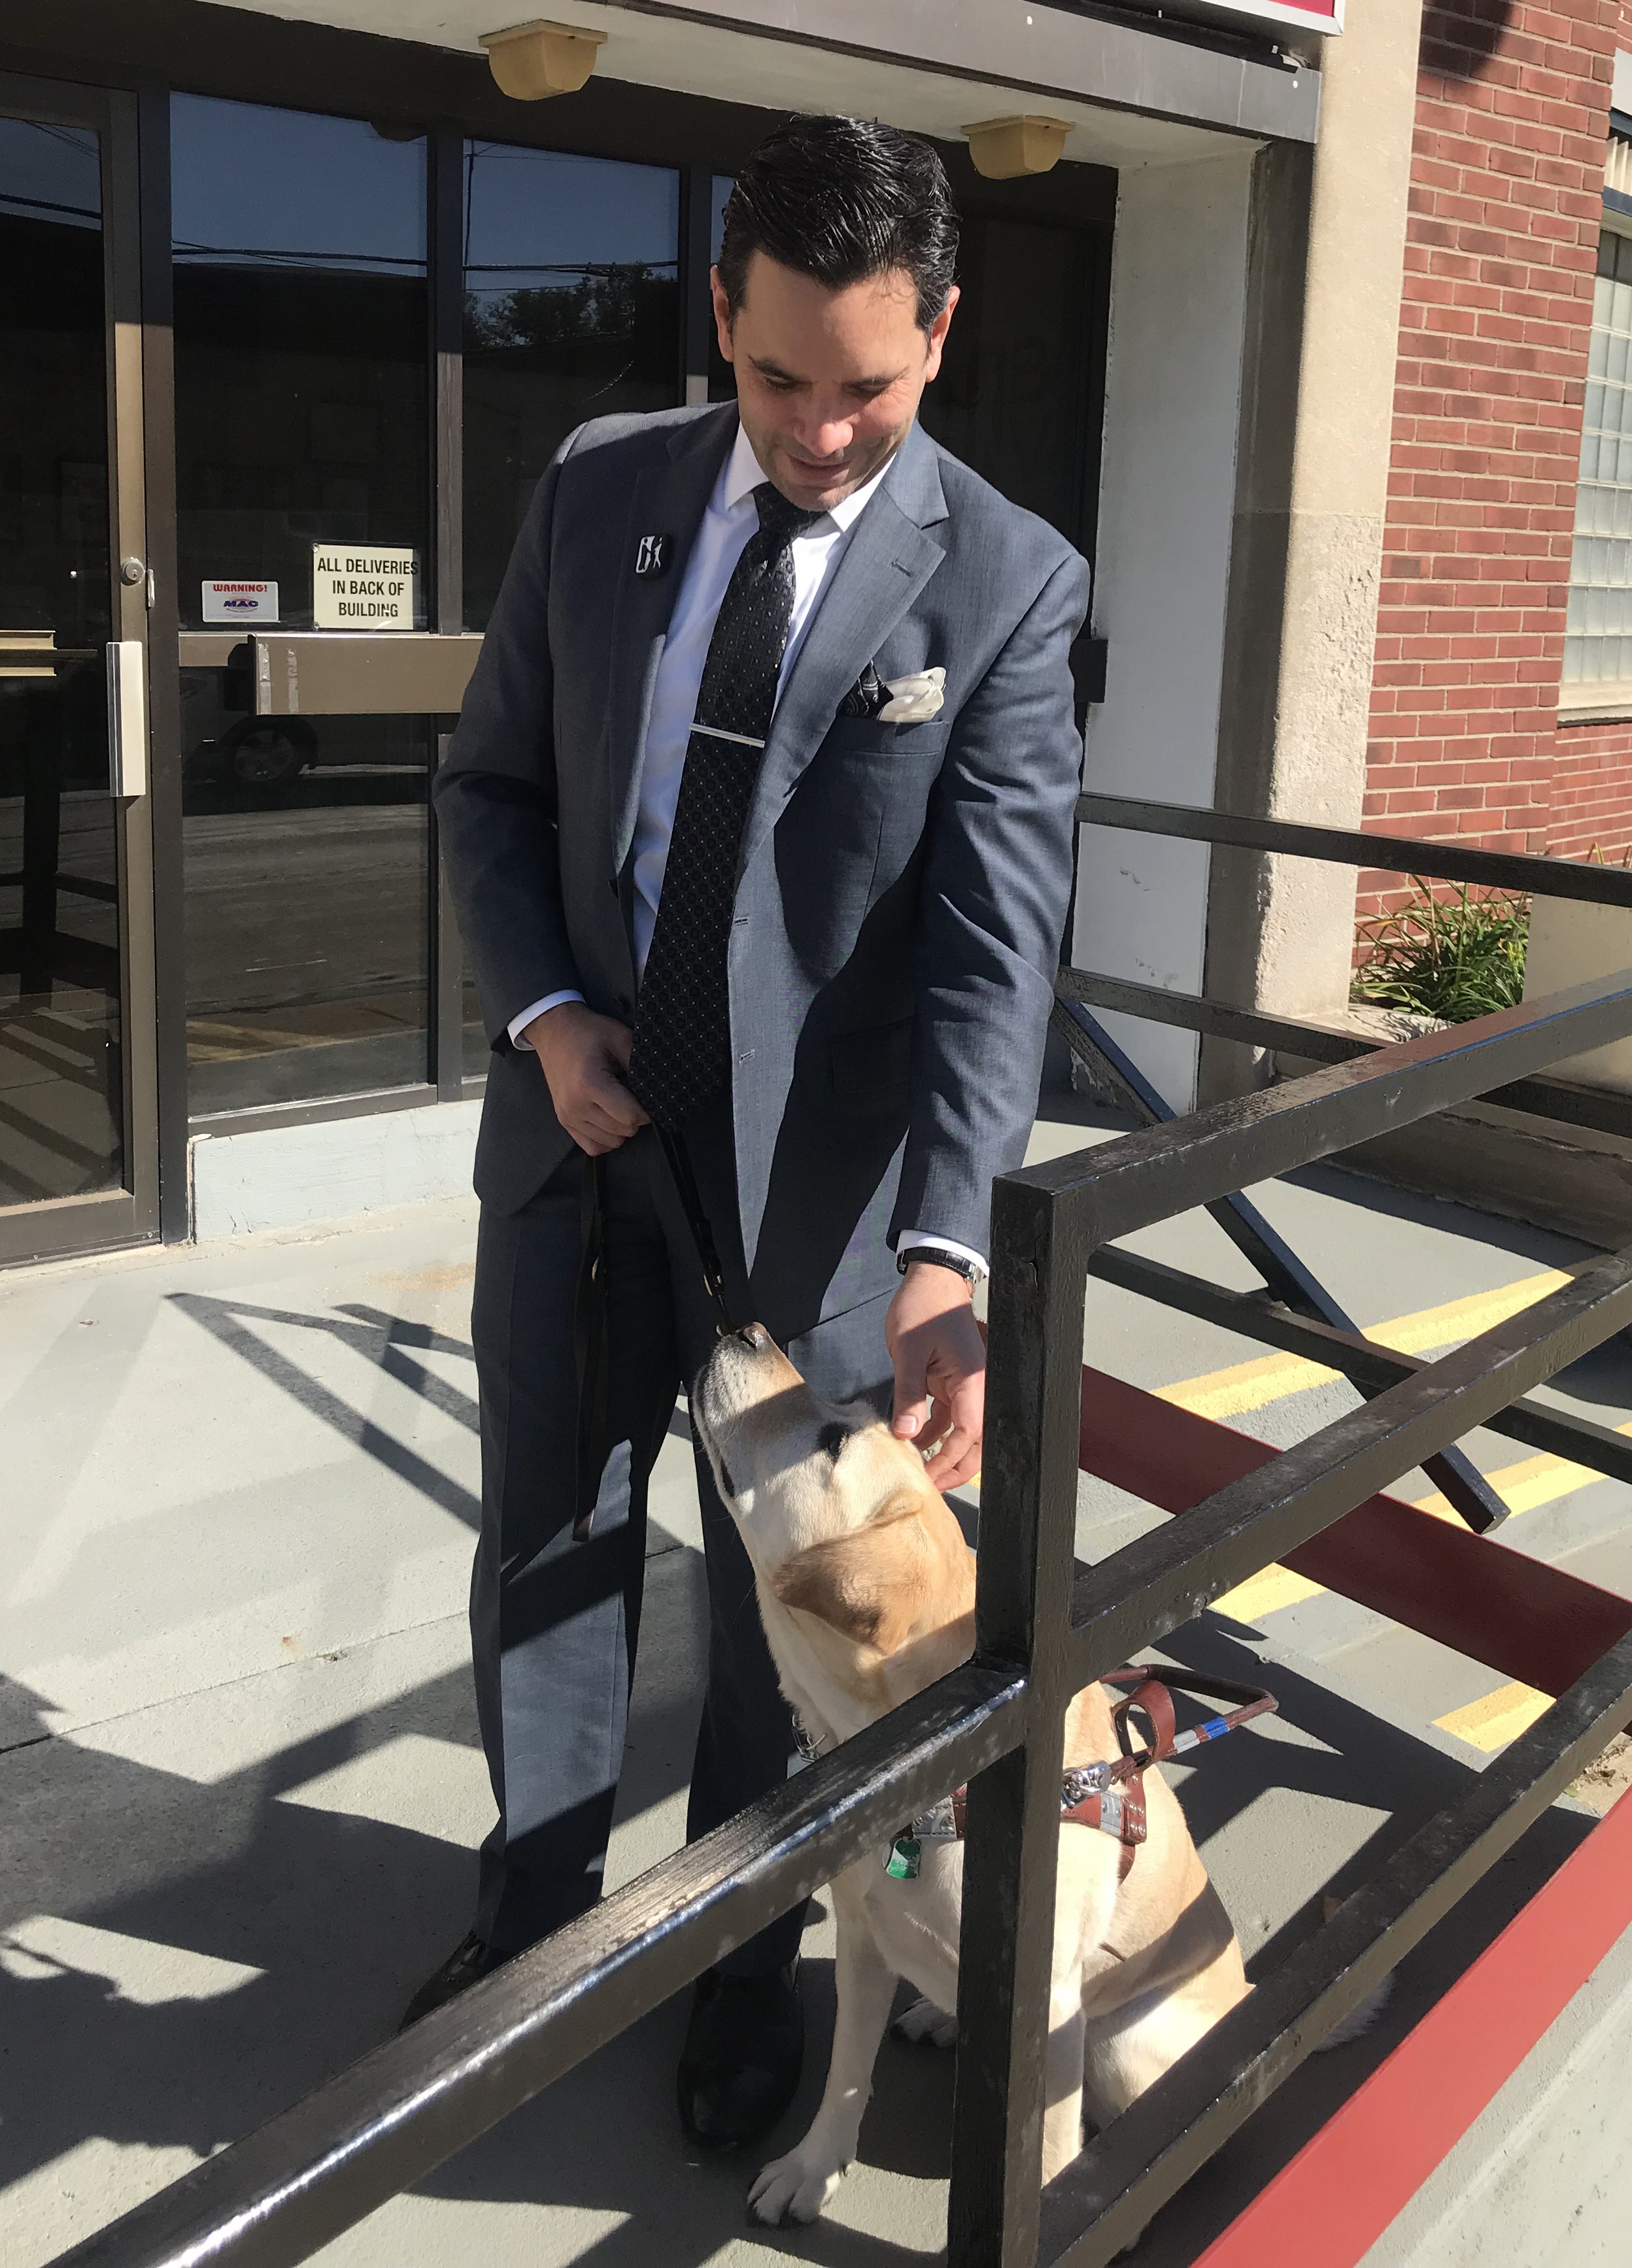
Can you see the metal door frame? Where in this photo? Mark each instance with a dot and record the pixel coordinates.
(53, 1227)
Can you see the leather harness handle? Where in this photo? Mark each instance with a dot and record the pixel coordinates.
(1152, 1700)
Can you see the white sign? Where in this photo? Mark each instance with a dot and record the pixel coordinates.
(240, 603)
(358, 587)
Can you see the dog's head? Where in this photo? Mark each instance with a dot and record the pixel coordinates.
(838, 1519)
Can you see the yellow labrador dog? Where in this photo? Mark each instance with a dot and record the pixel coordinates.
(867, 1591)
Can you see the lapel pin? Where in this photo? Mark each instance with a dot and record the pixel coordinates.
(652, 556)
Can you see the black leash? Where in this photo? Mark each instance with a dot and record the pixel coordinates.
(592, 1347)
(592, 1334)
(697, 1222)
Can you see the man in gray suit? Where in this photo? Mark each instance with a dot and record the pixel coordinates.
(758, 820)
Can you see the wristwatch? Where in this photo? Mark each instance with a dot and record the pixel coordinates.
(938, 1257)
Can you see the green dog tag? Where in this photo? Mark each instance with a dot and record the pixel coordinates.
(902, 1866)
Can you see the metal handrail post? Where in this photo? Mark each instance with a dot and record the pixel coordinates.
(1023, 1606)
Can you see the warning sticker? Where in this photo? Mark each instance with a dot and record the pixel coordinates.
(239, 601)
(363, 588)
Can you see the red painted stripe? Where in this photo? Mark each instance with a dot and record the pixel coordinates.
(1344, 2187)
(1518, 1614)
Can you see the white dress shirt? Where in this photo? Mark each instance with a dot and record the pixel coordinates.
(730, 519)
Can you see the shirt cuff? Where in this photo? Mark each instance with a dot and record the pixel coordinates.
(908, 1237)
(518, 1025)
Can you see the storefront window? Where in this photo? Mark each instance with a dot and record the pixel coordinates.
(302, 440)
(301, 326)
(61, 1076)
(307, 911)
(571, 311)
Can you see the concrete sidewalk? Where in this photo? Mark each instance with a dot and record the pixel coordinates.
(239, 1782)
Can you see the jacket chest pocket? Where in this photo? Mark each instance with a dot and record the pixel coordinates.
(864, 771)
(865, 789)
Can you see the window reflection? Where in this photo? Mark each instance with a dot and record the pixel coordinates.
(720, 190)
(302, 393)
(301, 366)
(62, 1114)
(307, 910)
(571, 311)
(722, 379)
(476, 1050)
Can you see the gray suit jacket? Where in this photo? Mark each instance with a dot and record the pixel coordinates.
(902, 888)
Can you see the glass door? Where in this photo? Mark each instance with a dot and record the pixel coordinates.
(303, 504)
(77, 1145)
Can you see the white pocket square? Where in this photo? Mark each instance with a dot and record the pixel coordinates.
(914, 700)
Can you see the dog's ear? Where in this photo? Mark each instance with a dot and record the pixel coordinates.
(877, 1585)
(830, 1582)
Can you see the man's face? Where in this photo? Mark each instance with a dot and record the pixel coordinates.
(827, 382)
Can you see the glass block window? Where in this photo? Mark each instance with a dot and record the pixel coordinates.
(1597, 634)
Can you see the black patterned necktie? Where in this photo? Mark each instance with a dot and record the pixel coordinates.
(681, 1056)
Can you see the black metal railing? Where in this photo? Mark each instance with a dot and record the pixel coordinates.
(1587, 881)
(1044, 1628)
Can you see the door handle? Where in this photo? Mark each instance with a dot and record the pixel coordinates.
(127, 719)
(360, 673)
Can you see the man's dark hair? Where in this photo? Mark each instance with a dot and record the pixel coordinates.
(840, 199)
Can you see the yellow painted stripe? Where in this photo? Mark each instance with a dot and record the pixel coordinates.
(1499, 1718)
(1266, 1592)
(1253, 1385)
(1524, 1487)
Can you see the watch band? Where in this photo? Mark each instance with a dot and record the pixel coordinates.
(939, 1257)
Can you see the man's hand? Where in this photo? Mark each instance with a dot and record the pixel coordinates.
(584, 1058)
(940, 1371)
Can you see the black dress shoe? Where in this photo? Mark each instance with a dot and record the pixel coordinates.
(464, 1967)
(745, 2045)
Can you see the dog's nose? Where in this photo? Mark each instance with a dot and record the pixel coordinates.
(754, 1335)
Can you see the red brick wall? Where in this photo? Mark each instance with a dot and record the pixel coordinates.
(1501, 247)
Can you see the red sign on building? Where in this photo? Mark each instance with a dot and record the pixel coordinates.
(1319, 16)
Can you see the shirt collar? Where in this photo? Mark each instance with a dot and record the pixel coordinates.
(743, 474)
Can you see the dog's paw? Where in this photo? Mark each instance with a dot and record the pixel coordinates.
(794, 2188)
(924, 2020)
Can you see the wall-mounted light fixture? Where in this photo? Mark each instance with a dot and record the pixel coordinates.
(1002, 148)
(531, 61)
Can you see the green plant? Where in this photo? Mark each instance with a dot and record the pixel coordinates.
(1447, 957)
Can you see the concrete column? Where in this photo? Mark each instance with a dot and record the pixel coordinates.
(1304, 594)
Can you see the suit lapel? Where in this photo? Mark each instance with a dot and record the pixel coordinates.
(889, 558)
(669, 499)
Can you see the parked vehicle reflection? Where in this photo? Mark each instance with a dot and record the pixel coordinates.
(307, 916)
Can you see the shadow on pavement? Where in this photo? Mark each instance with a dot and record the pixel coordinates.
(339, 1915)
(383, 1339)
